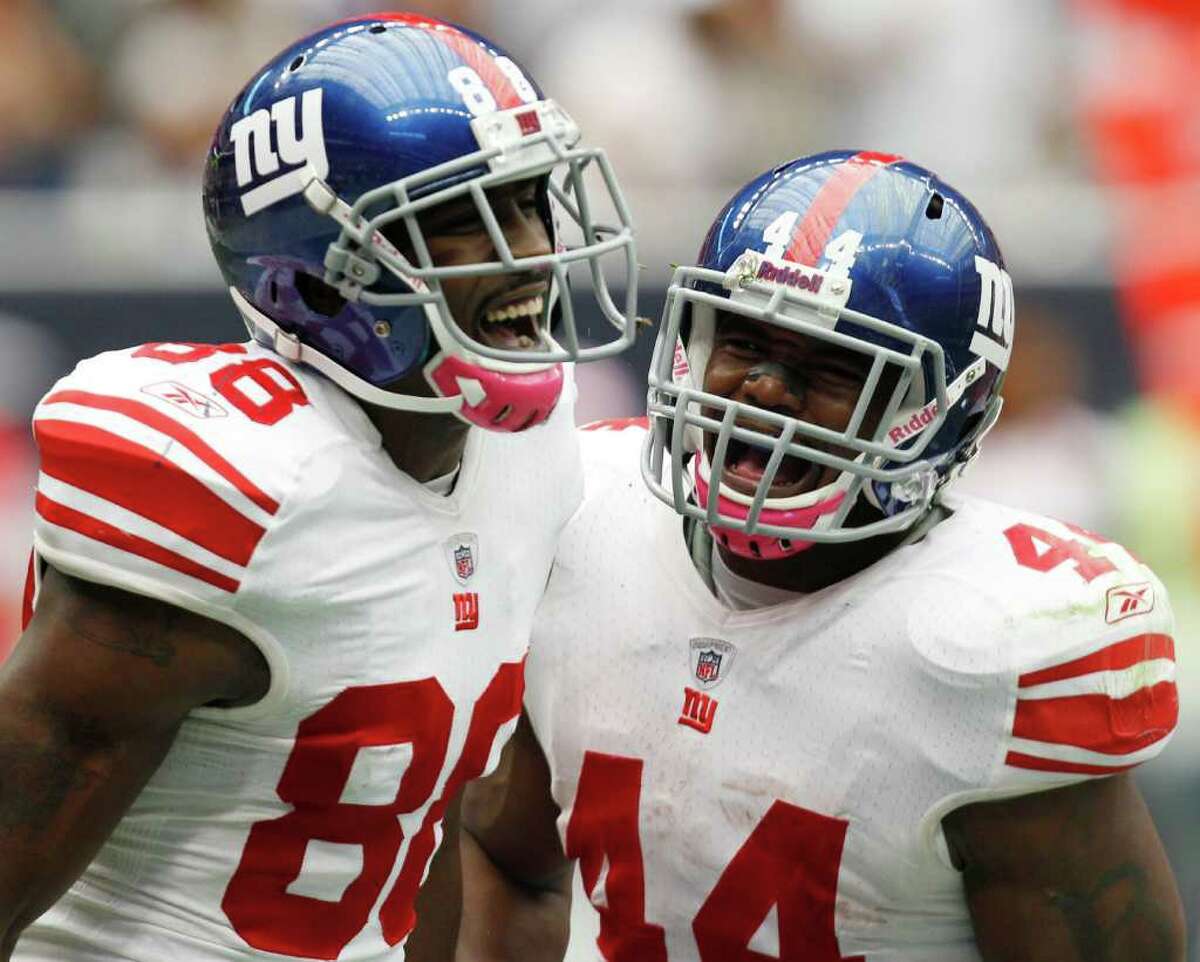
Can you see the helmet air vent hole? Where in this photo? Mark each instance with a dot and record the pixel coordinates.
(296, 64)
(934, 210)
(724, 539)
(274, 292)
(755, 550)
(378, 28)
(317, 295)
(785, 544)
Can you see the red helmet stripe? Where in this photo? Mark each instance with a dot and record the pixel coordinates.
(815, 230)
(468, 49)
(475, 56)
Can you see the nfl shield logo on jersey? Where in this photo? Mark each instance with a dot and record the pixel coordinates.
(711, 659)
(462, 550)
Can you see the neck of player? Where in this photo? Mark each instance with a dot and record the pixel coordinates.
(423, 446)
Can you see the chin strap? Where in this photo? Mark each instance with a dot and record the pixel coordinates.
(290, 347)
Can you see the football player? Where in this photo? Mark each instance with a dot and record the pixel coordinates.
(833, 713)
(282, 590)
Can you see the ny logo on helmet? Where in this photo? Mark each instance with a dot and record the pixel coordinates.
(303, 150)
(994, 339)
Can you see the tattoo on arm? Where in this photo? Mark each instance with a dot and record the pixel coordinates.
(35, 786)
(142, 634)
(1119, 918)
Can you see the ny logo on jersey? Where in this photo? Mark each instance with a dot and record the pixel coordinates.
(303, 150)
(699, 710)
(994, 339)
(1129, 600)
(466, 611)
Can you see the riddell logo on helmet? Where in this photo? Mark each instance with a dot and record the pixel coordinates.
(914, 425)
(795, 277)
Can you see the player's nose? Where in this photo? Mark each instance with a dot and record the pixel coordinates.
(524, 230)
(772, 385)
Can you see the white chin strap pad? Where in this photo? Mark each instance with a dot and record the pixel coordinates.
(291, 348)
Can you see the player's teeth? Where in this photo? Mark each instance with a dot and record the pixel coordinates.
(531, 307)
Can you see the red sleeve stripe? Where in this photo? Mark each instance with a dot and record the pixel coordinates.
(1123, 654)
(1098, 723)
(1020, 760)
(152, 418)
(816, 229)
(142, 481)
(72, 520)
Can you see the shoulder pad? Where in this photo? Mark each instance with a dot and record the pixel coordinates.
(1076, 630)
(164, 466)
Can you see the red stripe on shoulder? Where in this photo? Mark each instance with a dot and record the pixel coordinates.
(142, 481)
(72, 520)
(816, 229)
(1021, 760)
(616, 424)
(1122, 654)
(1111, 726)
(160, 422)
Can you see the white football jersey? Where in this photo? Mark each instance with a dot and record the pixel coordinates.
(773, 780)
(395, 623)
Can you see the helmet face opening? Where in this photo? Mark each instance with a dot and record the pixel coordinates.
(549, 153)
(344, 141)
(772, 480)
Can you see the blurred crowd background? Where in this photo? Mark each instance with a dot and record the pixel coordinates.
(1072, 123)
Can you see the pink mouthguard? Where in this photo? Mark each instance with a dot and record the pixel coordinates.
(512, 402)
(764, 547)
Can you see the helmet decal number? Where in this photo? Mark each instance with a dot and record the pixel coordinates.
(778, 234)
(474, 92)
(254, 157)
(841, 252)
(994, 338)
(517, 78)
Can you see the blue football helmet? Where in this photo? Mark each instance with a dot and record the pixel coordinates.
(868, 252)
(313, 190)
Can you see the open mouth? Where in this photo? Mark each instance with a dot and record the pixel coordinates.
(511, 322)
(745, 465)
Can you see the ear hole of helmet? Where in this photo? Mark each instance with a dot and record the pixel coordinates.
(318, 296)
(970, 427)
(934, 209)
